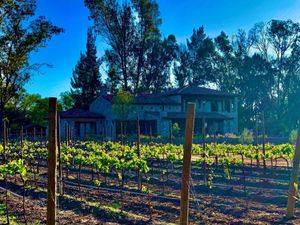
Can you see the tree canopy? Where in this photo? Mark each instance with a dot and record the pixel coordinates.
(21, 33)
(86, 79)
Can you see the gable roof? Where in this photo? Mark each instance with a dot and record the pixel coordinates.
(195, 90)
(80, 113)
(163, 98)
(154, 99)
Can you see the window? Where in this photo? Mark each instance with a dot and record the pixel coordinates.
(199, 104)
(232, 107)
(227, 106)
(214, 106)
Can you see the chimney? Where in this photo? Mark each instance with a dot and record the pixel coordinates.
(103, 90)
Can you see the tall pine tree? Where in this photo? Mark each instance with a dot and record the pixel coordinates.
(86, 78)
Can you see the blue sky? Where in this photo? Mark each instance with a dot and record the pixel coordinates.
(179, 18)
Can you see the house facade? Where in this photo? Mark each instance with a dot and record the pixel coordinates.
(82, 122)
(158, 112)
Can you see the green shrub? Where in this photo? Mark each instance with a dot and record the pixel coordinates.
(246, 137)
(293, 137)
(175, 129)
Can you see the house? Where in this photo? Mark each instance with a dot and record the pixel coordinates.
(156, 113)
(82, 122)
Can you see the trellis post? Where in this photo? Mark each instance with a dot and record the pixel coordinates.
(189, 130)
(52, 160)
(293, 189)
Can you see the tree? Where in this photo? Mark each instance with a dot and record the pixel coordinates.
(66, 100)
(86, 79)
(182, 68)
(255, 87)
(115, 23)
(225, 64)
(34, 108)
(202, 53)
(20, 35)
(138, 58)
(122, 105)
(158, 63)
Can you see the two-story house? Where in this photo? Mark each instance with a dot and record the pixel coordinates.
(157, 112)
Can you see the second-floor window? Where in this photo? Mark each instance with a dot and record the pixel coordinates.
(227, 106)
(214, 106)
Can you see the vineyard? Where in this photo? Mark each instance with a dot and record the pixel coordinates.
(113, 182)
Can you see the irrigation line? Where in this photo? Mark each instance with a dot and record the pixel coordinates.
(255, 177)
(124, 191)
(174, 198)
(13, 193)
(254, 189)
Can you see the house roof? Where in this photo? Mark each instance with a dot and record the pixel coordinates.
(163, 98)
(195, 90)
(154, 99)
(80, 113)
(207, 115)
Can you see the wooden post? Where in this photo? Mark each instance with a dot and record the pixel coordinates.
(52, 145)
(7, 134)
(293, 190)
(171, 133)
(263, 139)
(70, 134)
(66, 134)
(204, 148)
(189, 130)
(4, 141)
(138, 152)
(112, 132)
(33, 133)
(21, 137)
(150, 132)
(121, 132)
(59, 157)
(256, 138)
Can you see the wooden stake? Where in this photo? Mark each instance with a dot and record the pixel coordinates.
(171, 133)
(256, 138)
(150, 131)
(52, 145)
(21, 134)
(204, 148)
(34, 134)
(263, 140)
(4, 141)
(7, 134)
(138, 152)
(189, 130)
(66, 134)
(70, 134)
(112, 132)
(121, 133)
(59, 156)
(293, 189)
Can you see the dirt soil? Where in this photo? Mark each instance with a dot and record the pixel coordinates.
(258, 197)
